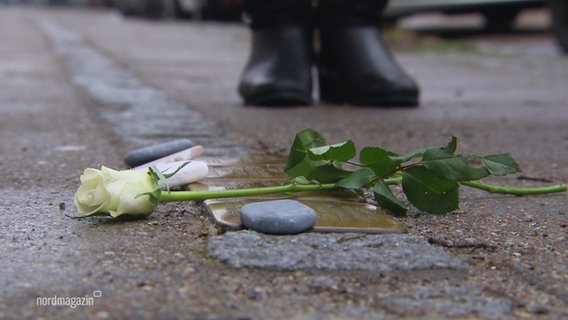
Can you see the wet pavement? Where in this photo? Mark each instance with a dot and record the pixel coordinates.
(82, 88)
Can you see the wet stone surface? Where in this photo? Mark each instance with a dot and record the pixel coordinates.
(515, 248)
(333, 251)
(130, 105)
(278, 217)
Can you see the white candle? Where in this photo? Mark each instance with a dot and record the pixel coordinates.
(193, 171)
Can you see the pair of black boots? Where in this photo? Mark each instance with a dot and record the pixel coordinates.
(354, 64)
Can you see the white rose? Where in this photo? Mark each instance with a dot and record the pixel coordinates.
(117, 193)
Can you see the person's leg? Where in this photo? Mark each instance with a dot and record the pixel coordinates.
(355, 65)
(279, 67)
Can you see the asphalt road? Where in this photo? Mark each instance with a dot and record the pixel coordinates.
(82, 88)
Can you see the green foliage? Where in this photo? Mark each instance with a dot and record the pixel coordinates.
(357, 179)
(312, 159)
(501, 164)
(430, 177)
(154, 197)
(299, 163)
(428, 192)
(386, 199)
(341, 152)
(378, 160)
(456, 169)
(304, 140)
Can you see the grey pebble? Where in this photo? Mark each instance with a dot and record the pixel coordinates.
(278, 217)
(147, 154)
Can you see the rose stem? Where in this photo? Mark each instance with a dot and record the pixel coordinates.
(214, 194)
(515, 191)
(501, 189)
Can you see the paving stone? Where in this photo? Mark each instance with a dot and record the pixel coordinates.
(130, 104)
(330, 251)
(278, 217)
(150, 153)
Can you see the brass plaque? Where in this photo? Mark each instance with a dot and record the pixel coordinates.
(337, 210)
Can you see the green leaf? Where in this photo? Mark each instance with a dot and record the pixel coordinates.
(408, 156)
(378, 160)
(327, 173)
(340, 152)
(387, 200)
(323, 171)
(158, 176)
(435, 153)
(304, 168)
(357, 179)
(456, 169)
(428, 192)
(154, 196)
(169, 175)
(300, 180)
(501, 164)
(304, 140)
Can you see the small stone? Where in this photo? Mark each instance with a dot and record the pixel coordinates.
(278, 217)
(147, 154)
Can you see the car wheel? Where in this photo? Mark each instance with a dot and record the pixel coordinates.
(500, 19)
(559, 13)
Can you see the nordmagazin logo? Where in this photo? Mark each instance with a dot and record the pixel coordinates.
(72, 302)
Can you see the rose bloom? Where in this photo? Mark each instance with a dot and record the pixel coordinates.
(115, 193)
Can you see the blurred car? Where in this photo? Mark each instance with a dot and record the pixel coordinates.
(224, 10)
(499, 14)
(156, 9)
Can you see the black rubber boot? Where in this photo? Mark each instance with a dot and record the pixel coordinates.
(355, 65)
(279, 69)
